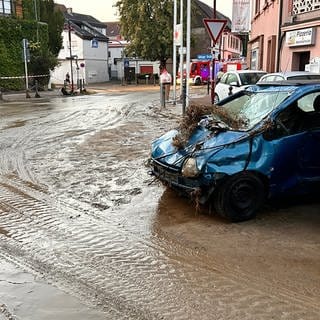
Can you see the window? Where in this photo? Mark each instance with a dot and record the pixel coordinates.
(6, 7)
(301, 6)
(254, 59)
(257, 6)
(232, 78)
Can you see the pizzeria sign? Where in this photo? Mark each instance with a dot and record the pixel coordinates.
(301, 37)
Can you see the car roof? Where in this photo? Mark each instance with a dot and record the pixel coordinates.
(247, 71)
(290, 74)
(293, 73)
(291, 82)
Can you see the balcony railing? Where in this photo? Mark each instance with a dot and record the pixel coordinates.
(302, 6)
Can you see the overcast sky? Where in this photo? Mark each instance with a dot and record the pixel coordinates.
(103, 9)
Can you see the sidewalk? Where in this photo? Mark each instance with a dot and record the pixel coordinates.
(198, 94)
(89, 89)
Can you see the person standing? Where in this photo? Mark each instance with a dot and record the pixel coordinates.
(165, 80)
(67, 80)
(220, 74)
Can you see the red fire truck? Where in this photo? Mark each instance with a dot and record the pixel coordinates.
(199, 72)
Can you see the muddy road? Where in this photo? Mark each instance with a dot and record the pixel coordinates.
(79, 212)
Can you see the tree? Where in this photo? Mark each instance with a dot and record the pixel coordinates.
(147, 25)
(55, 21)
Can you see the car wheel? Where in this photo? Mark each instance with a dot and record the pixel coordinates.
(239, 197)
(216, 99)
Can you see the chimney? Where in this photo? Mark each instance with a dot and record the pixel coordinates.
(69, 11)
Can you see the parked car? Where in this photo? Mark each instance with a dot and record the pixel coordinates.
(259, 143)
(234, 81)
(290, 75)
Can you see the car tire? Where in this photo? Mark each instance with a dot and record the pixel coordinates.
(239, 197)
(216, 99)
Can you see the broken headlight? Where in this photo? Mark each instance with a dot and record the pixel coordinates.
(189, 168)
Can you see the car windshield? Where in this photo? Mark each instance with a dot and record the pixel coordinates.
(250, 108)
(250, 78)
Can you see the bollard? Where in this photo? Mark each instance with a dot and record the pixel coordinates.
(37, 95)
(184, 96)
(162, 95)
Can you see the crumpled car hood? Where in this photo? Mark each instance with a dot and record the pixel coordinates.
(203, 142)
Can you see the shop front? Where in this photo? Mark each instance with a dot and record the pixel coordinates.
(300, 46)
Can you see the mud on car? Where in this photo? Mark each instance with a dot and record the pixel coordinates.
(259, 143)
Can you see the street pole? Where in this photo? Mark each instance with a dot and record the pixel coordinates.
(213, 58)
(181, 49)
(25, 58)
(188, 50)
(71, 70)
(174, 71)
(36, 17)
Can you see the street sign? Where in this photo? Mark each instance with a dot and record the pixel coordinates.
(94, 43)
(204, 56)
(177, 34)
(215, 28)
(182, 50)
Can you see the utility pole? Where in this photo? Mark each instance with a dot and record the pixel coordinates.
(71, 70)
(174, 71)
(26, 57)
(36, 17)
(181, 50)
(188, 51)
(213, 58)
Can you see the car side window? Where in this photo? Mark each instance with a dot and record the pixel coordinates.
(290, 121)
(306, 103)
(311, 105)
(232, 78)
(301, 115)
(268, 78)
(278, 78)
(224, 78)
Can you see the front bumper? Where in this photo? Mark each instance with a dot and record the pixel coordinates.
(172, 177)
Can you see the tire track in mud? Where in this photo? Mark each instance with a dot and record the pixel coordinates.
(106, 262)
(113, 261)
(45, 131)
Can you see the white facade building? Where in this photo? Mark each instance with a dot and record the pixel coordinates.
(88, 51)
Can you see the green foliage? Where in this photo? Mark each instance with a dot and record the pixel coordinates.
(55, 21)
(11, 52)
(147, 25)
(44, 40)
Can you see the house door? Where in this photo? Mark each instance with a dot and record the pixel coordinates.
(299, 60)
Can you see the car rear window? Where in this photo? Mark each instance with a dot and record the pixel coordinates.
(305, 77)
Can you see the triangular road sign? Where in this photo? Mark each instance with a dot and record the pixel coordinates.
(215, 28)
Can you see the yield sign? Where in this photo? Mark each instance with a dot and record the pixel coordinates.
(215, 28)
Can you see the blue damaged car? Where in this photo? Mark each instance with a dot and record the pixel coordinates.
(262, 142)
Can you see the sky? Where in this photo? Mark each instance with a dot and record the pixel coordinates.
(103, 9)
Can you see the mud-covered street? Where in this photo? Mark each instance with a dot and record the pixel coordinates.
(86, 233)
